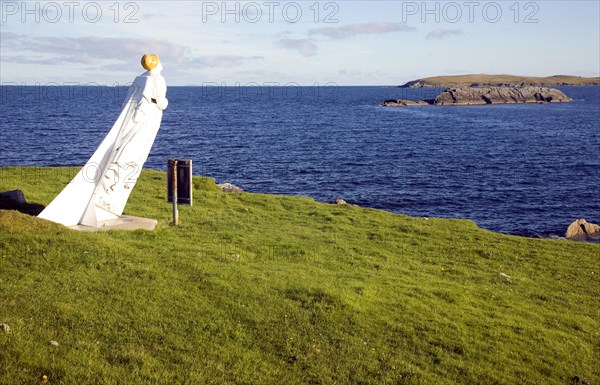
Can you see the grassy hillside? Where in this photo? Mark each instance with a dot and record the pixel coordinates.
(498, 80)
(259, 289)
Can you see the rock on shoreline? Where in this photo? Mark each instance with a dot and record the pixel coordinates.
(582, 230)
(466, 96)
(404, 103)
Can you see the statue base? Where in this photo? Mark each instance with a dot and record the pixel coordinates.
(125, 223)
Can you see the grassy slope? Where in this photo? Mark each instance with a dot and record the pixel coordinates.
(259, 289)
(467, 80)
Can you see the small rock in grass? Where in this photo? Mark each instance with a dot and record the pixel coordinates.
(229, 188)
(16, 196)
(339, 202)
(504, 275)
(4, 328)
(54, 343)
(578, 380)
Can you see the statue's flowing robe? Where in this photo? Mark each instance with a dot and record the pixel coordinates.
(100, 190)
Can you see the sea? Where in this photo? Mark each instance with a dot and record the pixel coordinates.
(523, 169)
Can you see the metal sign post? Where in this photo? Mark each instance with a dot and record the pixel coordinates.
(179, 185)
(174, 184)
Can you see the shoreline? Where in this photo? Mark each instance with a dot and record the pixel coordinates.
(67, 172)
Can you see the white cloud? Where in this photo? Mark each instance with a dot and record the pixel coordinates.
(106, 51)
(90, 49)
(443, 34)
(305, 47)
(224, 61)
(360, 29)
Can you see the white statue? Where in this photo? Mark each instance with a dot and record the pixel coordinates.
(100, 190)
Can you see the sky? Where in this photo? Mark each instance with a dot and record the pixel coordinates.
(294, 42)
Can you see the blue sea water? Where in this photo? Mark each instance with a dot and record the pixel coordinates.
(518, 169)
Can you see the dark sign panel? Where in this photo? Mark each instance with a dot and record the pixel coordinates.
(183, 178)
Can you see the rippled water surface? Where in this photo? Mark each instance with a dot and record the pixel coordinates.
(519, 169)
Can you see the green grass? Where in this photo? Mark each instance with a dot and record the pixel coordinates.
(261, 289)
(494, 80)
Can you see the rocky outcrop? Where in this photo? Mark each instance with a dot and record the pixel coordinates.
(461, 96)
(582, 230)
(404, 103)
(419, 83)
(467, 96)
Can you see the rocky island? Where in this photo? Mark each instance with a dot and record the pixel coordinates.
(465, 96)
(481, 80)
